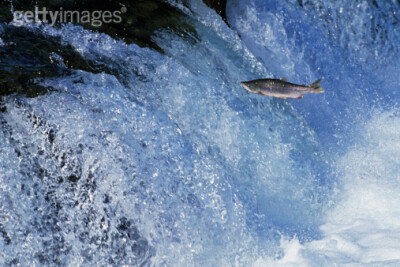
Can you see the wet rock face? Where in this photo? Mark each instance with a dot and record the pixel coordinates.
(30, 56)
(139, 19)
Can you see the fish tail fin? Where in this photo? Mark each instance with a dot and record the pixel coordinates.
(316, 86)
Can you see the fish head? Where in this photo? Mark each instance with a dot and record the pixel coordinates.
(250, 86)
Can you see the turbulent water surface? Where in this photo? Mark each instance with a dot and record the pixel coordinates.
(146, 151)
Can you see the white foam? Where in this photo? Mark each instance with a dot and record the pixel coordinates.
(364, 226)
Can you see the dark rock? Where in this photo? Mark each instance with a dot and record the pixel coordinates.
(219, 6)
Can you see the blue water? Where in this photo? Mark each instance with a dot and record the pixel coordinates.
(174, 163)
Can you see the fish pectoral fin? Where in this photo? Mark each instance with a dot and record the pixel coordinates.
(283, 79)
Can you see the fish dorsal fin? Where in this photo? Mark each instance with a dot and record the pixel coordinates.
(316, 84)
(283, 79)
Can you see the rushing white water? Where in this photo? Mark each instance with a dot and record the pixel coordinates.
(166, 160)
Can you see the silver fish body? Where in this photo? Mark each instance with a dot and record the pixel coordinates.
(281, 88)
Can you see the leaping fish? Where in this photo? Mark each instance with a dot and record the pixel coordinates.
(281, 88)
